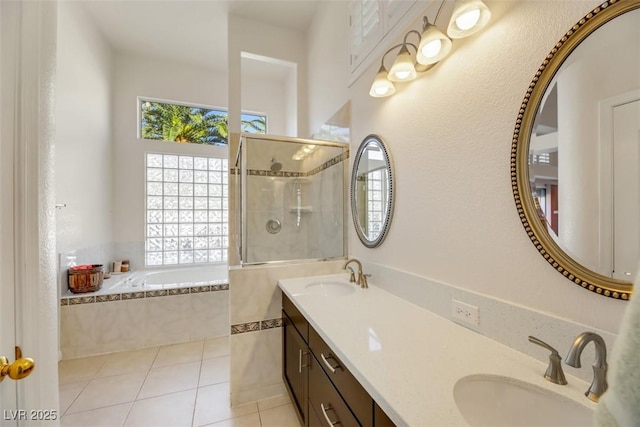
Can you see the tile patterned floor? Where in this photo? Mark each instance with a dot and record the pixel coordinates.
(169, 386)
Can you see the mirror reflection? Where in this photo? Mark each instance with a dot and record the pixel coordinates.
(584, 151)
(372, 191)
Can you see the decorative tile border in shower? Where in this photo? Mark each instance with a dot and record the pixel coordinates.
(331, 162)
(288, 174)
(66, 301)
(242, 328)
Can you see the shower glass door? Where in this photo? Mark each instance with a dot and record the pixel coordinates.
(293, 201)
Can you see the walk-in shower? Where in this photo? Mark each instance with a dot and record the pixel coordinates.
(291, 199)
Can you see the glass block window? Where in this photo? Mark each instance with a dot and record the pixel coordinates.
(375, 204)
(187, 210)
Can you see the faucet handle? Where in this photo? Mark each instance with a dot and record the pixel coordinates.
(554, 370)
(352, 276)
(363, 282)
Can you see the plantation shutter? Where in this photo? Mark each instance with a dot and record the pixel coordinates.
(394, 10)
(366, 28)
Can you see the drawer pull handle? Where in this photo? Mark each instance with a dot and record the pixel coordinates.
(326, 416)
(326, 362)
(300, 365)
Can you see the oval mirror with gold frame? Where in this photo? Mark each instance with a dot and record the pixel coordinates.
(562, 173)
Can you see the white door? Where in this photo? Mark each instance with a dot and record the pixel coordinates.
(28, 292)
(8, 390)
(626, 189)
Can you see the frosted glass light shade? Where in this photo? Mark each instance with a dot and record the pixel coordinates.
(468, 17)
(434, 45)
(403, 68)
(381, 86)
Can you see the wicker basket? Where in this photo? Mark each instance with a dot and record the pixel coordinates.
(85, 278)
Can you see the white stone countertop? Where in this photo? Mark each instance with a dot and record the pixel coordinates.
(409, 359)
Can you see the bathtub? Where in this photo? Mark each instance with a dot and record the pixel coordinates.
(185, 277)
(161, 279)
(146, 308)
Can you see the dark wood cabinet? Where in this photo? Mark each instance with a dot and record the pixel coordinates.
(295, 363)
(323, 390)
(325, 400)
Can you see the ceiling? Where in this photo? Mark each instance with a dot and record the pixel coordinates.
(189, 31)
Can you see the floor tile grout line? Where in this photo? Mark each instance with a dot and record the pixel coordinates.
(99, 408)
(76, 398)
(195, 406)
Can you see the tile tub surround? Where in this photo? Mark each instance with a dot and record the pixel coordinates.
(89, 326)
(256, 334)
(409, 359)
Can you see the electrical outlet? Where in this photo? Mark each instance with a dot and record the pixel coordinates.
(465, 312)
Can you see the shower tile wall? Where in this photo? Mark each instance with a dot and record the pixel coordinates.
(314, 231)
(271, 198)
(327, 232)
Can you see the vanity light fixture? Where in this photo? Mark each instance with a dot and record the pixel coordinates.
(382, 86)
(403, 68)
(434, 45)
(468, 17)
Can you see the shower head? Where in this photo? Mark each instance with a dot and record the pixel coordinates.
(275, 166)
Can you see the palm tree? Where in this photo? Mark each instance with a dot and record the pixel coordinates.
(181, 123)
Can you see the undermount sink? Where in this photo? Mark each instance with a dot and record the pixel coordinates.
(491, 400)
(330, 288)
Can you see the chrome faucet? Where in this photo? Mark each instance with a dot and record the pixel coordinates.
(599, 383)
(362, 278)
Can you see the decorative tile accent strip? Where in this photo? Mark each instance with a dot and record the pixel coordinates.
(133, 295)
(271, 323)
(81, 300)
(290, 174)
(285, 174)
(245, 327)
(66, 301)
(329, 163)
(242, 328)
(108, 298)
(151, 294)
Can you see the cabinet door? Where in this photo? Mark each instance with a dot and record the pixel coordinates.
(295, 364)
(325, 400)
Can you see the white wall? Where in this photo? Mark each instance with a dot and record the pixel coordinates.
(265, 40)
(450, 133)
(146, 77)
(83, 151)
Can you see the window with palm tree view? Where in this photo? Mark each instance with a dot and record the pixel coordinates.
(187, 219)
(193, 124)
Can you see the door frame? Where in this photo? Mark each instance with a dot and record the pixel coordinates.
(30, 195)
(606, 108)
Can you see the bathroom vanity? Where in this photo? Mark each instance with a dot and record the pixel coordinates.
(367, 357)
(321, 387)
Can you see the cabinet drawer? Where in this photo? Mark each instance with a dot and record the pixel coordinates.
(325, 401)
(298, 320)
(353, 393)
